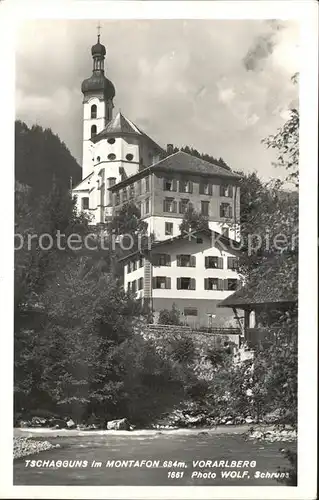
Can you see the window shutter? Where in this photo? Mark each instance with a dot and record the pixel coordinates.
(229, 262)
(168, 260)
(178, 259)
(220, 284)
(164, 182)
(220, 263)
(230, 189)
(201, 188)
(180, 207)
(210, 189)
(230, 211)
(168, 283)
(221, 190)
(221, 211)
(226, 284)
(206, 283)
(174, 185)
(154, 282)
(174, 206)
(178, 283)
(193, 284)
(190, 186)
(206, 262)
(193, 261)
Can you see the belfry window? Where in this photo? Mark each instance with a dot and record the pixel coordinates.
(93, 130)
(93, 111)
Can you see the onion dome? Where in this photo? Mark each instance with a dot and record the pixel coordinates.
(98, 49)
(98, 83)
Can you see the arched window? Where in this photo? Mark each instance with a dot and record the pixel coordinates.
(93, 111)
(93, 130)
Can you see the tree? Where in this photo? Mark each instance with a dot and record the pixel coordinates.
(127, 220)
(88, 358)
(40, 156)
(193, 221)
(286, 142)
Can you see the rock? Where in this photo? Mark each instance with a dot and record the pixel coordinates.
(229, 422)
(273, 417)
(70, 424)
(249, 420)
(121, 424)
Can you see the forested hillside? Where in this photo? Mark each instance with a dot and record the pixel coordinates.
(40, 157)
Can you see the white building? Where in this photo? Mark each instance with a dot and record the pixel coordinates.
(120, 164)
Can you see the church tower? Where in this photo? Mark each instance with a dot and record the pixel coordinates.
(98, 94)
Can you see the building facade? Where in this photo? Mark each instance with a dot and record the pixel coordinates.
(122, 164)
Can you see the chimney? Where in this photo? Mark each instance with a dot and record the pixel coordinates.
(170, 149)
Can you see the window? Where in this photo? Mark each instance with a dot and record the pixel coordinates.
(231, 284)
(225, 232)
(214, 263)
(205, 208)
(139, 206)
(132, 191)
(161, 259)
(112, 181)
(225, 210)
(186, 284)
(186, 260)
(185, 186)
(117, 198)
(139, 187)
(168, 229)
(140, 284)
(169, 205)
(226, 191)
(134, 286)
(162, 282)
(111, 156)
(141, 262)
(85, 203)
(190, 311)
(205, 189)
(111, 140)
(214, 284)
(128, 286)
(232, 263)
(93, 111)
(134, 265)
(199, 239)
(129, 267)
(147, 206)
(93, 130)
(129, 157)
(169, 184)
(183, 205)
(147, 184)
(124, 194)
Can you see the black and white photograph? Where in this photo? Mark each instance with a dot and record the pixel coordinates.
(157, 310)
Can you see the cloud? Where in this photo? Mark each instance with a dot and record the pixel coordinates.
(183, 82)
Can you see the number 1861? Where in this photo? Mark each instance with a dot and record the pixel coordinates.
(175, 475)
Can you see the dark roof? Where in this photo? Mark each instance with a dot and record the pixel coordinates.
(183, 163)
(267, 285)
(122, 125)
(144, 248)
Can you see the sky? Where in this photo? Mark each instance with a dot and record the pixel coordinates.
(220, 86)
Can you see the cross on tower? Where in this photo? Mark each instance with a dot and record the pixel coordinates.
(98, 31)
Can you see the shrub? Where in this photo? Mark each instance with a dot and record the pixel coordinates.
(169, 317)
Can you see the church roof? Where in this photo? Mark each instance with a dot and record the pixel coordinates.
(121, 125)
(84, 184)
